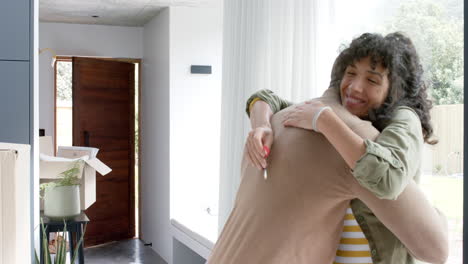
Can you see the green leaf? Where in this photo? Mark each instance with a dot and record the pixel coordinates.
(75, 251)
(61, 246)
(45, 245)
(69, 177)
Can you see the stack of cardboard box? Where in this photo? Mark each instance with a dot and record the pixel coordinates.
(51, 166)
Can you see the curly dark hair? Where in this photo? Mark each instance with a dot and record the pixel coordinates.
(397, 54)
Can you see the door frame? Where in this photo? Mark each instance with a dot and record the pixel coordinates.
(132, 182)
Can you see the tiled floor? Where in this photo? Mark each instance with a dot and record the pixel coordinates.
(125, 252)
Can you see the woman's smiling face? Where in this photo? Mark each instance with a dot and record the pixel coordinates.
(363, 88)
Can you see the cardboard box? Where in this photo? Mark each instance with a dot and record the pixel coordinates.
(51, 167)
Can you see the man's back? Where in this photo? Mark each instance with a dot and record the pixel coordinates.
(295, 216)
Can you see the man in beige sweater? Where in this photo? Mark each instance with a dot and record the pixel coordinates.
(296, 215)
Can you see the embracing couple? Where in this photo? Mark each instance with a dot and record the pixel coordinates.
(352, 156)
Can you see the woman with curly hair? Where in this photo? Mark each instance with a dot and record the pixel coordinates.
(378, 79)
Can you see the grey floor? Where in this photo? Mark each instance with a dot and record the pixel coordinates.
(126, 252)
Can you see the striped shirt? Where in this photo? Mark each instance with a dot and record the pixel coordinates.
(353, 247)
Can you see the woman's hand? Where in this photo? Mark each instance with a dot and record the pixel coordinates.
(302, 115)
(258, 138)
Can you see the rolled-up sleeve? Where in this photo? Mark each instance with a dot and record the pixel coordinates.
(274, 101)
(394, 158)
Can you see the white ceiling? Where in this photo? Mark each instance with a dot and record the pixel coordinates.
(134, 13)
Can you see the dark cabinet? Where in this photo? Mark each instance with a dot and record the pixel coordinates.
(14, 102)
(15, 29)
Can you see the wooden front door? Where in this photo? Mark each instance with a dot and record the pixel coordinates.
(103, 117)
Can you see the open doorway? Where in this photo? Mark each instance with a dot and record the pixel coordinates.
(63, 116)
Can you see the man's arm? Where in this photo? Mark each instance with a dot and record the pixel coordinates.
(416, 223)
(419, 226)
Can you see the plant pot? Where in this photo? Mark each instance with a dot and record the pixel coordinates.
(62, 201)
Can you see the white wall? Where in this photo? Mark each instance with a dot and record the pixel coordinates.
(155, 222)
(79, 40)
(35, 126)
(180, 120)
(196, 39)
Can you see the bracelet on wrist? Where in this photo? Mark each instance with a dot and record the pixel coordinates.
(317, 115)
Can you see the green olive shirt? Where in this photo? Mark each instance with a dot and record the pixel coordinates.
(387, 166)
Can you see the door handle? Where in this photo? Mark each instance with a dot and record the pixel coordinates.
(86, 138)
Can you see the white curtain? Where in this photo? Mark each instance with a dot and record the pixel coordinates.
(15, 220)
(282, 45)
(7, 207)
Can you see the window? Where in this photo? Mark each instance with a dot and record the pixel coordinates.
(64, 103)
(436, 29)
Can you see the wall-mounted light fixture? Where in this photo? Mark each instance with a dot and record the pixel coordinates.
(200, 69)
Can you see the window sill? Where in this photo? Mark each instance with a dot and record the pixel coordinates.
(200, 244)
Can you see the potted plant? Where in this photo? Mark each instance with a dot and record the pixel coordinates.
(62, 196)
(61, 248)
